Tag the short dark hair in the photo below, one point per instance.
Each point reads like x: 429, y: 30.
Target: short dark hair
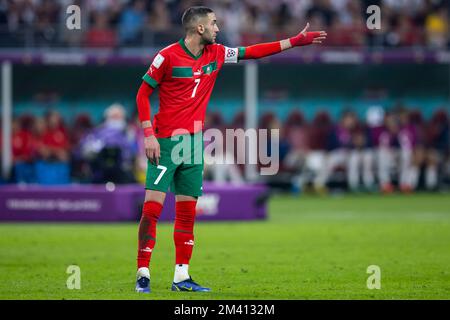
x: 192, y: 13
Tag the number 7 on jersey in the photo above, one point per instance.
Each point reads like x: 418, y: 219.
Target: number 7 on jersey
x: 197, y: 81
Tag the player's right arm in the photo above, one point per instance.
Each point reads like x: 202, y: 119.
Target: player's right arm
x: 151, y: 80
x: 151, y: 144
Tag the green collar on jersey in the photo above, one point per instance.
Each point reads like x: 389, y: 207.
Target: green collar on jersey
x: 181, y: 42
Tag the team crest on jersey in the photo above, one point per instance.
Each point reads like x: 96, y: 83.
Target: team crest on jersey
x: 159, y: 59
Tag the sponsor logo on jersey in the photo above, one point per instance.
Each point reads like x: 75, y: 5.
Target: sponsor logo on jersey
x: 159, y: 59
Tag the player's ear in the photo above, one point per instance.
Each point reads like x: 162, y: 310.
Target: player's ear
x: 201, y: 28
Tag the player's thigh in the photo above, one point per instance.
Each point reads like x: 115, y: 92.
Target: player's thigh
x: 155, y: 196
x: 188, y: 180
x: 160, y: 176
x: 180, y: 198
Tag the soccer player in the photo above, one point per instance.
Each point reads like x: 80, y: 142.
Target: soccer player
x: 185, y: 73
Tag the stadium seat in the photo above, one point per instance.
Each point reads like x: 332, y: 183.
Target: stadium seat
x: 24, y: 172
x: 51, y: 173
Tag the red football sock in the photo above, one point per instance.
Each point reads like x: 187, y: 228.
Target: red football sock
x: 183, y: 235
x: 147, y: 232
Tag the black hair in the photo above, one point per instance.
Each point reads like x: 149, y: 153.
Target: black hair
x: 192, y: 13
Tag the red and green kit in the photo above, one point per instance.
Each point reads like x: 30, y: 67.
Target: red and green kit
x: 185, y: 84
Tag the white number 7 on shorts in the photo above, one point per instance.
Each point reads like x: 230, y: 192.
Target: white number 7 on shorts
x: 163, y: 170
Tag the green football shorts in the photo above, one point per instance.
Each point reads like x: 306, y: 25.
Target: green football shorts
x: 180, y: 166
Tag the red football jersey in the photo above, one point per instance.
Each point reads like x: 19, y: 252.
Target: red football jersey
x: 185, y: 85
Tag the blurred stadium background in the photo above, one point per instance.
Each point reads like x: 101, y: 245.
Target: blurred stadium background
x: 364, y: 115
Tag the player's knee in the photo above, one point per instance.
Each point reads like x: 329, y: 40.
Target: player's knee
x: 155, y: 196
x: 185, y: 215
x: 152, y: 210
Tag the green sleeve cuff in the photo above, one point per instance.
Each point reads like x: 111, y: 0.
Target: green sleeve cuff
x: 152, y: 82
x: 241, y: 53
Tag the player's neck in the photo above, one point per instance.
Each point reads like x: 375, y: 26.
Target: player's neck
x: 194, y: 45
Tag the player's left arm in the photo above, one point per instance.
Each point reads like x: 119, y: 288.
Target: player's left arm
x: 261, y: 50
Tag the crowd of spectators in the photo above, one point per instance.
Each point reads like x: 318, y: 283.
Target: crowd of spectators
x: 386, y: 150
x: 112, y: 23
x: 93, y: 154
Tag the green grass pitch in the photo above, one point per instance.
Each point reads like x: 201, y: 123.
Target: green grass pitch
x: 309, y: 248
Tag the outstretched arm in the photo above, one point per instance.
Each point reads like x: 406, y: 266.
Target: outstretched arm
x: 267, y: 49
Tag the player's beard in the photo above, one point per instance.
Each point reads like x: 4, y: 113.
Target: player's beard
x: 208, y: 39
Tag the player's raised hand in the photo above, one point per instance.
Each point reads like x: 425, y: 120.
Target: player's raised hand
x: 152, y: 149
x: 306, y: 37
